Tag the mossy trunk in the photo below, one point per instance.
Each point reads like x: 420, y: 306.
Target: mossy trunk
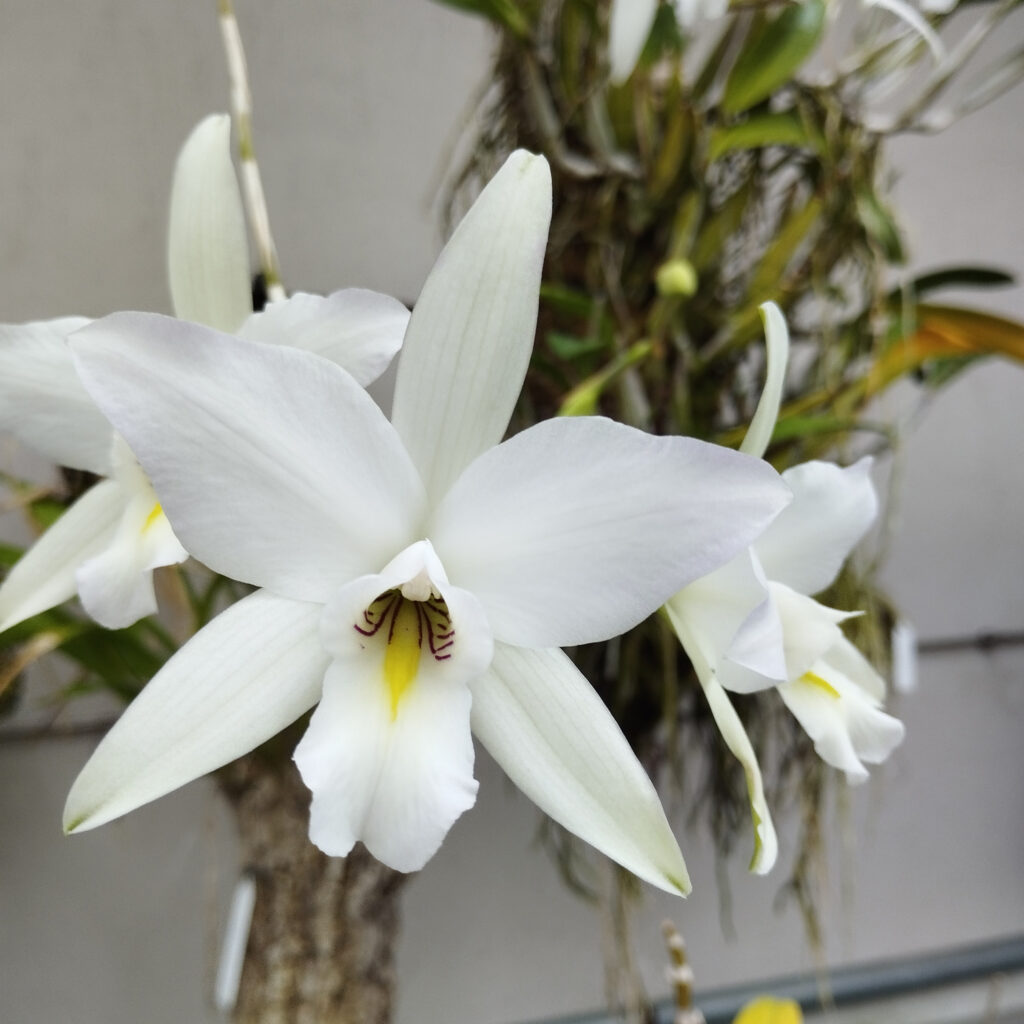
x: 321, y: 946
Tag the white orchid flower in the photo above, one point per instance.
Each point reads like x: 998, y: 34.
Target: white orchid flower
x: 631, y: 22
x: 419, y: 576
x: 751, y: 624
x: 107, y: 544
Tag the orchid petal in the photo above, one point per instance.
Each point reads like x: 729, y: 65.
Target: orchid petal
x: 810, y: 628
x: 320, y: 465
x: 358, y: 329
x: 578, y: 528
x: 730, y: 610
x: 45, y: 575
x: 116, y: 585
x: 845, y: 721
x: 207, y: 251
x: 390, y: 760
x: 471, y: 334
x: 776, y: 335
x: 694, y: 639
x: 629, y: 27
x: 397, y: 783
x: 42, y: 401
x: 547, y: 728
x: 832, y: 509
x: 845, y: 659
x: 252, y: 671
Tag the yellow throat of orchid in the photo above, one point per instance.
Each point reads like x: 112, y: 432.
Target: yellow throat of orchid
x: 821, y: 684
x: 402, y: 657
x: 408, y: 624
x: 154, y: 514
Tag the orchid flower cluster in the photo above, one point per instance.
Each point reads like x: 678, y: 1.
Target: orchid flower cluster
x: 416, y: 575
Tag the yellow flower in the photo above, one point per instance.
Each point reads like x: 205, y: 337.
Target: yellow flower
x: 766, y: 1010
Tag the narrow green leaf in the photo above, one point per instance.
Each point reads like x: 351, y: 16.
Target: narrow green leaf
x: 9, y: 554
x: 584, y: 398
x: 502, y: 12
x: 715, y: 62
x: 675, y: 145
x: 793, y: 428
x: 772, y: 56
x: 565, y: 299
x: 724, y: 222
x: 759, y: 130
x: 45, y: 512
x: 568, y: 346
x: 954, y: 277
x: 798, y: 229
x: 880, y: 225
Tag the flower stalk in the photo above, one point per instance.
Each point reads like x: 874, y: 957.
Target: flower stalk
x: 252, y: 181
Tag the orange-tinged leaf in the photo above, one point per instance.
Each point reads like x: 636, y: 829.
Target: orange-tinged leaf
x: 946, y: 332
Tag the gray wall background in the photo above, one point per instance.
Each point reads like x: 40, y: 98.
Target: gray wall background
x: 356, y: 104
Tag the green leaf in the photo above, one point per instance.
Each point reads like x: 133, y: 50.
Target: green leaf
x: 953, y: 277
x: 45, y: 512
x: 799, y: 226
x: 9, y: 554
x: 583, y: 399
x: 502, y: 12
x: 880, y: 225
x: 664, y: 39
x: 723, y: 223
x: 792, y: 428
x: 772, y: 55
x: 715, y: 62
x: 759, y: 130
x: 673, y: 151
x: 568, y: 346
x: 566, y: 300
x: 118, y: 657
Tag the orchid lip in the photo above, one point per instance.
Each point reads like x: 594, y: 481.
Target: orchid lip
x: 408, y: 626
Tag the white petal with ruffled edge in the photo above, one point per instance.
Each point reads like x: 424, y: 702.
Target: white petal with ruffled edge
x: 839, y: 713
x: 576, y: 529
x: 358, y: 329
x: 43, y: 403
x: 394, y: 769
x: 318, y: 476
x: 550, y: 732
x: 45, y: 575
x: 252, y: 671
x: 207, y: 249
x: 471, y: 334
x: 832, y: 508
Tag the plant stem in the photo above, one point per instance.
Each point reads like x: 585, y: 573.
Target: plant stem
x: 252, y: 183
